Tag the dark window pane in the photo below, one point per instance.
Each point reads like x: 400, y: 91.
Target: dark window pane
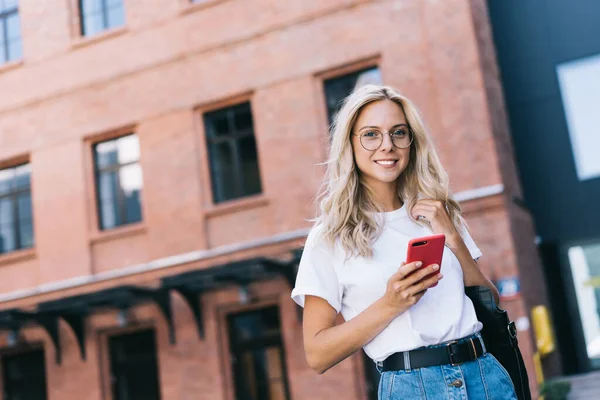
x: 337, y: 89
x: 134, y: 370
x: 243, y: 118
x: 250, y: 173
x: 258, y: 358
x: 232, y: 152
x: 222, y: 171
x: 116, y: 16
x: 24, y: 376
x: 219, y: 124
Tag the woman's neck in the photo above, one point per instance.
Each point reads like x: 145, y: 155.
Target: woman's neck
x: 386, y: 195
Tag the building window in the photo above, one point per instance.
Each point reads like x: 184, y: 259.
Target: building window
x: 580, y: 90
x: 133, y: 366
x: 232, y: 153
x: 584, y: 260
x: 10, y: 31
x: 99, y: 15
x: 16, y: 221
x: 24, y: 376
x: 118, y: 181
x: 258, y: 360
x: 338, y: 88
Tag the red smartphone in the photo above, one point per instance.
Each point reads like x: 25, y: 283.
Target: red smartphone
x: 429, y: 250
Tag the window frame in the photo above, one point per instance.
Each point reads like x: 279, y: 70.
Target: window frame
x: 319, y: 79
x: 120, y: 199
x: 575, y: 314
x: 104, y: 12
x: 357, y: 69
x: 96, y: 233
x: 265, y: 300
x: 4, y: 15
x: 232, y: 137
x: 13, y: 195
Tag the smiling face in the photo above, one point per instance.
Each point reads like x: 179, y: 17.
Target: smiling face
x: 383, y: 166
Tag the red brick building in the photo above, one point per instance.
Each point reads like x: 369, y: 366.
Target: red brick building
x: 158, y: 164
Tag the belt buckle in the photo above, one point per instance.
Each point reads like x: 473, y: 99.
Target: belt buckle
x: 448, y: 348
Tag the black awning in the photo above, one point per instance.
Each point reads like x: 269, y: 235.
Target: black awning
x: 192, y: 284
x: 73, y: 310
x: 13, y: 320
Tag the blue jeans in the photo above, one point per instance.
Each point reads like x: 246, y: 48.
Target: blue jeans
x: 484, y: 378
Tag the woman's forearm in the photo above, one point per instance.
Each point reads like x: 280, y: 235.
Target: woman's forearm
x: 332, y: 345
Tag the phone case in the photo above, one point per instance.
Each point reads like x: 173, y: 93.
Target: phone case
x: 429, y: 250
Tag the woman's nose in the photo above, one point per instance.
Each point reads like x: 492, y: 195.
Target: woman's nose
x: 386, y: 143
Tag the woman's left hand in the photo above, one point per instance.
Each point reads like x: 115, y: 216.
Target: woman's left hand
x: 434, y: 212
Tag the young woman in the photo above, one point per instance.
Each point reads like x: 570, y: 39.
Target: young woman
x: 385, y: 186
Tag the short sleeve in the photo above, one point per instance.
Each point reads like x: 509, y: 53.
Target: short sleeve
x: 316, y: 273
x: 470, y: 243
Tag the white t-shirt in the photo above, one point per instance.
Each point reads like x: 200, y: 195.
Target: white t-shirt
x: 443, y: 313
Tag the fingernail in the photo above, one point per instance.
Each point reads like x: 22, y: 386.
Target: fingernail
x: 419, y: 263
x: 440, y: 276
x: 435, y: 267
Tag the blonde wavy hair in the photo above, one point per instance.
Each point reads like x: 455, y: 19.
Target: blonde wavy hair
x: 346, y: 206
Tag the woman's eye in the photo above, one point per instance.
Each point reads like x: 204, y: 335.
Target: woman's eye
x: 371, y: 134
x: 400, y: 132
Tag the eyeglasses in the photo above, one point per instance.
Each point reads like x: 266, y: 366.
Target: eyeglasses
x: 372, y: 139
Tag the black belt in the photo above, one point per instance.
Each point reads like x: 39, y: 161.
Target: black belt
x: 453, y: 353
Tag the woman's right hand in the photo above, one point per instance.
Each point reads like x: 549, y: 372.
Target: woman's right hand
x: 406, y: 287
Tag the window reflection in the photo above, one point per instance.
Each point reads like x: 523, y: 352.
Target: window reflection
x: 99, y: 15
x: 585, y: 268
x: 336, y: 89
x: 118, y: 181
x: 16, y: 220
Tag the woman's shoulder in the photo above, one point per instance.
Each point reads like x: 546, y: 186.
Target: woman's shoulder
x: 317, y: 241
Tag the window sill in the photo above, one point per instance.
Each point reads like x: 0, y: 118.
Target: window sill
x: 118, y: 233
x: 189, y: 7
x: 17, y: 256
x: 9, y: 65
x: 236, y: 205
x: 83, y: 41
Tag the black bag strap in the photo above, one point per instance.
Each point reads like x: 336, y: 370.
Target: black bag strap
x: 500, y: 337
